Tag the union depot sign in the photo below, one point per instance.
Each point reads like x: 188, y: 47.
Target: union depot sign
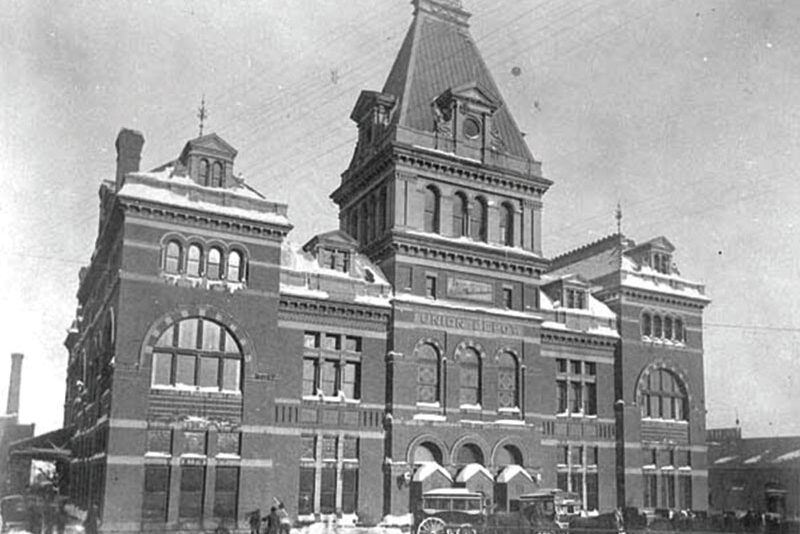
x: 474, y: 324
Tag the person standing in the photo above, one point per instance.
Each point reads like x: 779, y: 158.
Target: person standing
x: 285, y: 526
x: 273, y: 521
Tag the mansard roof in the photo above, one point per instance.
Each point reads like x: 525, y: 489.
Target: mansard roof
x: 439, y: 54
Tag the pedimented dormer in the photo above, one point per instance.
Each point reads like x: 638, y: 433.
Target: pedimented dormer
x: 208, y: 161
x: 333, y: 250
x: 655, y: 253
x: 463, y: 120
x: 373, y: 114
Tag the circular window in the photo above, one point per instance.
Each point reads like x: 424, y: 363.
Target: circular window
x: 472, y: 128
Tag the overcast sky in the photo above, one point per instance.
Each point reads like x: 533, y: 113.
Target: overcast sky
x: 686, y: 111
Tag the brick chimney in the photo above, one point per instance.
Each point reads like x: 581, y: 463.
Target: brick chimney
x: 14, y: 381
x: 129, y: 153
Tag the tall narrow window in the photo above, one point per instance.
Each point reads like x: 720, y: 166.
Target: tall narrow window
x: 427, y: 373
x: 172, y: 257
x: 193, y: 259
x: 647, y: 325
x: 191, y: 497
x: 381, y: 210
x: 679, y: 329
x: 658, y: 331
x: 305, y: 504
x: 156, y: 493
x: 460, y: 214
x: 668, y: 327
x: 373, y: 226
x: 214, y: 268
x: 507, y: 380
x: 431, y: 215
x: 216, y: 175
x: 203, y: 172
x: 470, y: 370
x: 478, y: 219
x: 507, y: 224
x: 561, y: 395
x: 577, y: 398
x: 226, y: 492
x: 591, y: 399
x: 430, y: 286
x: 235, y: 270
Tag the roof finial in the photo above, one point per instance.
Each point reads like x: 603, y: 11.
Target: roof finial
x: 202, y: 114
x: 618, y: 216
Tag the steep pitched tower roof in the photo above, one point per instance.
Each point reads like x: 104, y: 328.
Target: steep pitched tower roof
x: 438, y: 54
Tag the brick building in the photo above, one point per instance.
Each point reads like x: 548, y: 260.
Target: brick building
x: 427, y: 342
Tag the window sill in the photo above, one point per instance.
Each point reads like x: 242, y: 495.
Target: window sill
x: 185, y: 280
x: 666, y: 421
x: 429, y: 405
x: 514, y: 410
x: 338, y: 399
x: 470, y: 408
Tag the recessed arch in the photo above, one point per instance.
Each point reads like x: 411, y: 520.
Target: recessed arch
x: 430, y: 442
x: 511, y: 445
x: 476, y: 443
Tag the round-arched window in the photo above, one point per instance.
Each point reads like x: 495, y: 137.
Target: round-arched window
x: 172, y: 257
x: 214, y: 269
x: 193, y: 259
x: 507, y: 380
x: 508, y: 455
x: 235, y: 271
x: 663, y: 396
x: 470, y: 369
x: 197, y: 353
x: 427, y: 373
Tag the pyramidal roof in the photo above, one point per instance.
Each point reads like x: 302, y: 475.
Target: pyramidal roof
x: 438, y: 54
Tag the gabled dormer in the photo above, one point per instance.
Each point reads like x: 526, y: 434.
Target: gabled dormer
x: 570, y: 291
x: 655, y: 253
x: 208, y: 161
x: 463, y: 120
x: 333, y: 250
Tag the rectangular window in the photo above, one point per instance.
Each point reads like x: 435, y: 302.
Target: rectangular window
x: 591, y: 399
x: 327, y: 377
x: 194, y: 443
x: 470, y: 385
x: 563, y: 456
x: 562, y: 481
x: 185, y: 370
x: 308, y: 449
x: 575, y: 366
x: 650, y: 490
x: 329, y: 448
x: 305, y: 503
x: 670, y: 484
x: 327, y: 493
x: 590, y: 368
x: 576, y: 480
x: 231, y: 372
x: 191, y: 497
x: 350, y: 448
x: 332, y: 342
x: 352, y: 344
x: 430, y: 286
x: 159, y: 440
x: 561, y: 394
x: 508, y: 298
x: 162, y: 369
x: 592, y: 501
x: 226, y: 492
x: 156, y: 493
x: 561, y: 364
x: 228, y: 443
x: 209, y: 372
x: 350, y: 380
x: 349, y: 489
x: 577, y: 397
x: 309, y: 376
x: 592, y: 455
x: 311, y: 340
x: 686, y: 492
x: 577, y: 455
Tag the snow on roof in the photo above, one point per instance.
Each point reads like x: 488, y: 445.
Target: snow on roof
x: 304, y: 291
x: 294, y: 258
x: 510, y: 471
x: 724, y: 460
x: 452, y: 491
x: 791, y: 455
x: 182, y: 192
x: 426, y: 469
x: 597, y: 330
x: 470, y: 470
x: 463, y: 240
x: 645, y: 277
x: 756, y: 458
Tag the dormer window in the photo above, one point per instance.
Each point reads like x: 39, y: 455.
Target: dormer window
x: 216, y: 175
x: 575, y: 298
x: 472, y: 128
x: 338, y: 260
x: 661, y: 262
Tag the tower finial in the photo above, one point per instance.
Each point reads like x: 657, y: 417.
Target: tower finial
x: 202, y: 113
x: 618, y: 216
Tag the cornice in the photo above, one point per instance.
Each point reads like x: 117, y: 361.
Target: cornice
x: 650, y: 296
x: 397, y: 242
x: 320, y: 310
x: 204, y: 219
x: 557, y: 337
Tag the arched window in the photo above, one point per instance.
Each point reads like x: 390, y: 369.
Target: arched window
x: 469, y: 453
x: 647, y: 324
x: 460, y: 214
x: 679, y: 332
x: 431, y: 215
x: 508, y: 455
x: 193, y: 259
x: 427, y: 452
x: 172, y: 257
x: 507, y: 224
x: 667, y: 327
x: 427, y: 373
x: 507, y: 381
x: 214, y: 267
x: 469, y: 363
x: 202, y: 173
x: 216, y: 174
x: 477, y: 220
x: 658, y: 331
x: 235, y: 270
x: 198, y: 353
x: 663, y: 396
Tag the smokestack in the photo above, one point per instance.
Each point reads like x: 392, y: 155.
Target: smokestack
x: 129, y: 153
x: 14, y: 381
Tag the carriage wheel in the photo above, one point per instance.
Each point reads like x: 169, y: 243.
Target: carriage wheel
x: 430, y: 525
x: 466, y: 528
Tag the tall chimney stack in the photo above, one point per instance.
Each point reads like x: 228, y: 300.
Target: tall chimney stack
x: 14, y: 382
x: 129, y: 153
